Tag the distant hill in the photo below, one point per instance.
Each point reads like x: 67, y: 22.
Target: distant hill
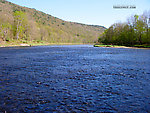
x: 26, y: 24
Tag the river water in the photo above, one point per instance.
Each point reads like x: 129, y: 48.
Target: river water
x: 74, y: 78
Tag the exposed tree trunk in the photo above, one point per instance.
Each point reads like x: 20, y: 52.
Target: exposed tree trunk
x: 18, y: 31
x: 5, y: 34
x: 17, y: 35
x: 140, y: 41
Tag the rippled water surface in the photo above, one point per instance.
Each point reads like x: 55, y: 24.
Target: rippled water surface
x: 77, y: 78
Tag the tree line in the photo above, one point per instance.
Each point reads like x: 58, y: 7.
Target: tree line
x: 135, y: 31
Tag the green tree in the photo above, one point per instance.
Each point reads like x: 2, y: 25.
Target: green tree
x: 20, y: 25
x: 4, y: 29
x: 134, y: 32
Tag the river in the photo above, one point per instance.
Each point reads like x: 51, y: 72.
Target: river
x: 74, y: 78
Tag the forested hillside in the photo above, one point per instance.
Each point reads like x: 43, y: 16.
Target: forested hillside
x: 23, y: 24
x: 136, y: 31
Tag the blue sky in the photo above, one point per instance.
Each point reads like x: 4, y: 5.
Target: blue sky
x: 96, y: 12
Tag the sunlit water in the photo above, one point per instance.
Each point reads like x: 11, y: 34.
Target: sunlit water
x: 76, y: 78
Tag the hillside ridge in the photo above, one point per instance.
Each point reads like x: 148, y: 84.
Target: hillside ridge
x: 28, y: 24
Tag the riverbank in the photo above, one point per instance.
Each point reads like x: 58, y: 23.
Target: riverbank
x: 118, y: 46
x: 29, y: 44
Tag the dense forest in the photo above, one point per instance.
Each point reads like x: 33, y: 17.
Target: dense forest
x: 23, y: 24
x: 136, y: 31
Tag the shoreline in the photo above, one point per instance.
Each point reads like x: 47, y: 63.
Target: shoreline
x: 116, y: 46
x: 40, y: 44
x: 49, y: 44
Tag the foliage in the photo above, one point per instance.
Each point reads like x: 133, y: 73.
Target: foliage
x: 20, y: 25
x: 134, y: 32
x: 4, y: 30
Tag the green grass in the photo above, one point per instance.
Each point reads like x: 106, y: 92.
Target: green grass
x: 33, y: 43
x: 138, y: 46
x: 142, y: 46
x: 101, y: 45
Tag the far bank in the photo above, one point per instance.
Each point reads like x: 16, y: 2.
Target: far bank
x: 120, y: 46
x: 30, y: 43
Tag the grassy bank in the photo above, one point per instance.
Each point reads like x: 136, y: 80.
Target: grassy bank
x: 101, y: 45
x: 118, y: 46
x: 31, y: 43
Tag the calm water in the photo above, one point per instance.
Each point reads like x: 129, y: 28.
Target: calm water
x: 77, y: 78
